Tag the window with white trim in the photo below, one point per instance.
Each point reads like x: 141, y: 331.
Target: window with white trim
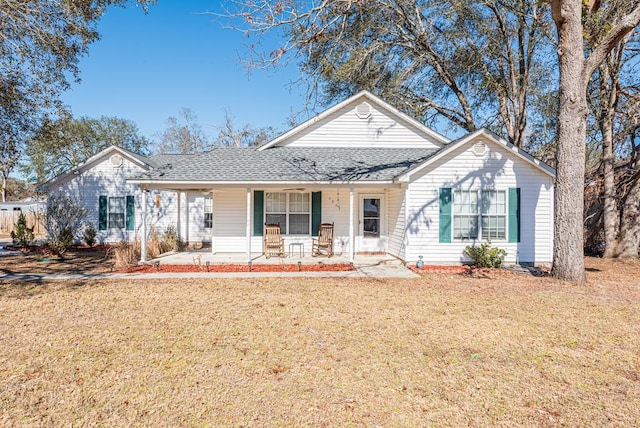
x: 208, y: 212
x: 465, y: 214
x: 485, y: 216
x: 494, y: 214
x: 292, y: 211
x: 117, y: 208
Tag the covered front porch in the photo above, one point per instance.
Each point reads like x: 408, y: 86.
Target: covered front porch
x: 229, y: 221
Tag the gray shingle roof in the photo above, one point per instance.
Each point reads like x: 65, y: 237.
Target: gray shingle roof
x: 286, y: 164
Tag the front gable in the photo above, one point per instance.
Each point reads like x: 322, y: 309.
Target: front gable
x: 112, y: 161
x: 361, y: 121
x: 479, y: 154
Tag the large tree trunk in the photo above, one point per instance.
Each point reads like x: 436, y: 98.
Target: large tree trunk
x: 629, y: 238
x: 610, y: 214
x: 4, y: 186
x: 568, y: 249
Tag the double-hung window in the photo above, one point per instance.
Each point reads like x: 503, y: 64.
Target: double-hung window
x: 208, y: 212
x: 465, y: 214
x: 494, y: 214
x: 116, y: 212
x: 292, y: 211
x: 479, y: 213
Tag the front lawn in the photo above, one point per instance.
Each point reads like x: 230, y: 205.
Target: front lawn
x: 442, y: 350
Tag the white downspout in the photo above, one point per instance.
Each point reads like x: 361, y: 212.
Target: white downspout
x: 213, y: 224
x: 143, y: 240
x: 248, y: 224
x: 352, y: 242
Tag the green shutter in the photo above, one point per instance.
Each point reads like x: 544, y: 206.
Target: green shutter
x: 102, y: 212
x: 445, y: 214
x: 130, y: 214
x: 258, y: 212
x: 316, y: 212
x: 514, y: 214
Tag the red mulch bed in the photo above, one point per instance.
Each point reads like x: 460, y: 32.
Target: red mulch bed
x: 460, y: 270
x: 319, y: 267
x: 440, y: 269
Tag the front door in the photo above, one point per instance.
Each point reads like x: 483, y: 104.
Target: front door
x: 371, y: 224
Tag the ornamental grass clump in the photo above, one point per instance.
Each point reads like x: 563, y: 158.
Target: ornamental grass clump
x: 485, y: 256
x: 126, y: 254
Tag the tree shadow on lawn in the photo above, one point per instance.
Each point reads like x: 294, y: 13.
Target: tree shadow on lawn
x: 35, y: 285
x: 78, y: 260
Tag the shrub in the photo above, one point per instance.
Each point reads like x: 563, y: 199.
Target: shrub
x: 62, y: 242
x: 22, y: 235
x: 484, y: 256
x: 63, y: 221
x: 171, y: 239
x: 89, y: 236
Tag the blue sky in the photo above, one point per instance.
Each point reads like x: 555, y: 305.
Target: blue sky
x: 147, y: 67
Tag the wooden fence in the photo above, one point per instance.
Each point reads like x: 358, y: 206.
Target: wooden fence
x: 8, y: 220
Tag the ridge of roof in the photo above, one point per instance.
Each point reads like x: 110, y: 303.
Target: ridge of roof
x: 288, y: 163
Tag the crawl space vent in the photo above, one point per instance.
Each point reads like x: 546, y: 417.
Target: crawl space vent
x: 479, y: 149
x: 363, y: 110
x: 116, y: 161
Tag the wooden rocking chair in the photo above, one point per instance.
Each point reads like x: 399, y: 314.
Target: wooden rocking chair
x: 324, y: 241
x: 273, y: 243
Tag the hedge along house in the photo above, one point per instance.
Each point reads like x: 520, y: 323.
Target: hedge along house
x: 387, y: 183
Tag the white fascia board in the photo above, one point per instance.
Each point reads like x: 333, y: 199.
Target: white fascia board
x: 490, y: 136
x: 363, y: 94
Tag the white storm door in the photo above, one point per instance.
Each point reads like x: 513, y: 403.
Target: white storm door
x: 371, y: 237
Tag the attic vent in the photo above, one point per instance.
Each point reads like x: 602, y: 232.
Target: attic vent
x: 479, y: 149
x: 116, y: 161
x: 363, y: 110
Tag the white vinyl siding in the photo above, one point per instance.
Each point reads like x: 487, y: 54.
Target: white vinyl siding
x: 498, y: 169
x: 102, y: 178
x: 344, y: 128
x: 396, y: 222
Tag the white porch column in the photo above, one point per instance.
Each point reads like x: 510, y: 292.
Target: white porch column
x: 143, y: 238
x: 248, y: 224
x: 405, y: 241
x: 352, y: 243
x: 183, y: 216
x: 213, y: 233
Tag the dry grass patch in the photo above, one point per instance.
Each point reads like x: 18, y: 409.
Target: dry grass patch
x: 443, y: 350
x: 77, y: 260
